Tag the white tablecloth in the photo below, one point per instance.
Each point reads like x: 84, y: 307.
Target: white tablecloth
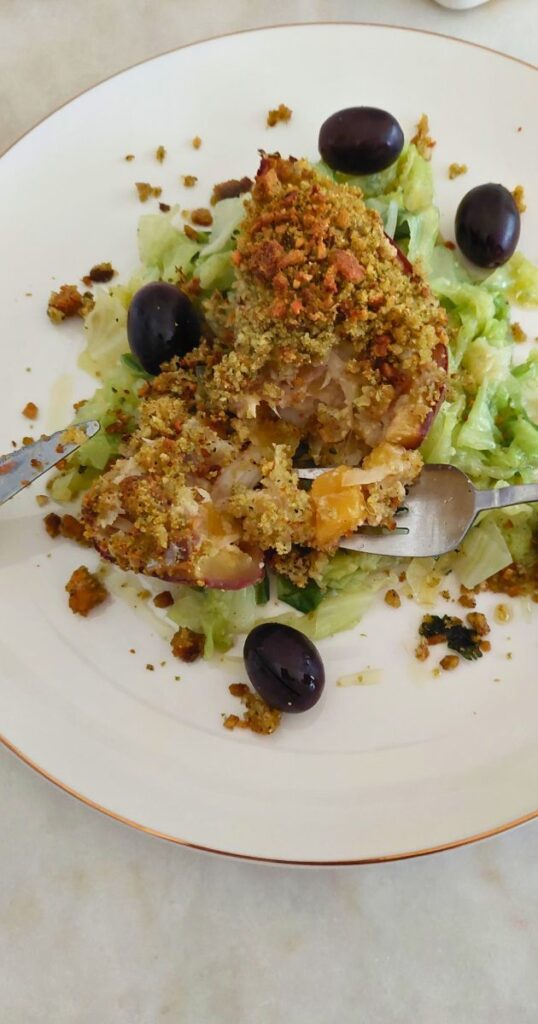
x: 99, y: 923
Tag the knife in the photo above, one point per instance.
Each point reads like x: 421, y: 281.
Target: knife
x: 20, y: 468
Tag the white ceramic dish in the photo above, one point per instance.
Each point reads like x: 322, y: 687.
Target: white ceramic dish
x: 410, y: 764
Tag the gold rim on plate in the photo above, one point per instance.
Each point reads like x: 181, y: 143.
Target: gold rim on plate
x: 406, y: 855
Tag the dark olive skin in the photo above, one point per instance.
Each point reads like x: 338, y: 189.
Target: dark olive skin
x: 360, y: 140
x: 488, y: 225
x: 161, y: 323
x: 284, y: 667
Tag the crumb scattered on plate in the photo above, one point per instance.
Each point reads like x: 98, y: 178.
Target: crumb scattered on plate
x: 146, y: 191
x: 282, y: 113
x: 454, y: 170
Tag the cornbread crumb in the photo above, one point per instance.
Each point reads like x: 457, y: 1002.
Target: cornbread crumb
x: 164, y: 207
x: 196, y: 142
x: 466, y: 599
x: 202, y: 216
x: 160, y: 154
x: 519, y: 198
x: 189, y: 180
x: 67, y: 526
x: 190, y: 233
x: 31, y: 411
x: 518, y: 333
x: 129, y: 157
x: 422, y: 651
x: 502, y: 613
x: 422, y: 138
x: 52, y: 523
x: 479, y: 623
x: 449, y: 662
x: 68, y: 301
x: 446, y: 595
x: 150, y: 667
x: 258, y: 717
x: 42, y: 500
x: 145, y: 191
x: 85, y: 591
x: 392, y: 598
x: 101, y: 273
x: 187, y: 645
x: 282, y: 113
x: 454, y: 170
x: 163, y: 600
x: 230, y: 189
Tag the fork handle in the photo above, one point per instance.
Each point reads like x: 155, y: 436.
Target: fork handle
x: 504, y: 496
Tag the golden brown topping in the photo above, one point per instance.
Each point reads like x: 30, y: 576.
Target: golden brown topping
x: 392, y: 598
x: 518, y: 333
x: 52, y: 523
x: 65, y: 526
x: 422, y: 138
x: 85, y: 591
x: 258, y: 717
x: 129, y: 157
x: 189, y: 180
x: 160, y: 154
x: 281, y: 113
x: 422, y: 651
x: 230, y: 189
x: 454, y: 170
x: 449, y: 662
x: 466, y: 598
x: 31, y: 411
x: 196, y: 142
x: 68, y: 301
x: 101, y: 273
x: 73, y: 529
x: 326, y: 340
x: 519, y: 198
x: 163, y: 600
x: 478, y: 622
x: 146, y: 191
x: 187, y: 645
x: 502, y: 613
x: 516, y: 580
x: 202, y: 216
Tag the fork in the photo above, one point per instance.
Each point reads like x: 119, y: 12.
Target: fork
x: 440, y: 509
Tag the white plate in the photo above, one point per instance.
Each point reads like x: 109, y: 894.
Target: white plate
x: 407, y: 765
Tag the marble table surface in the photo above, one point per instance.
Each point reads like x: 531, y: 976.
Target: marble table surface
x: 101, y: 923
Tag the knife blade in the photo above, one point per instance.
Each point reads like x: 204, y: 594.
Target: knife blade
x: 20, y: 468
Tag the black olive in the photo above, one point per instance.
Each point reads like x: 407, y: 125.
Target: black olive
x: 284, y: 667
x: 161, y: 323
x: 360, y: 140
x: 488, y: 225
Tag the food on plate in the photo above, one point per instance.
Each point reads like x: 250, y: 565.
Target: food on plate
x: 488, y: 225
x: 85, y: 591
x: 258, y: 716
x: 320, y: 319
x: 325, y: 345
x: 282, y: 113
x: 284, y: 667
x: 360, y: 140
x: 161, y: 323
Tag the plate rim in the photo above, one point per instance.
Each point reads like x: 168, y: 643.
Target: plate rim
x: 87, y: 801
x: 253, y: 31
